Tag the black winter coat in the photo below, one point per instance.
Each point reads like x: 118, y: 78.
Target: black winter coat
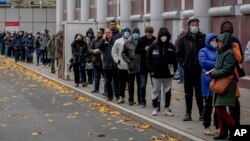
x: 96, y: 58
x: 140, y: 49
x: 188, y: 49
x: 106, y: 48
x: 79, y: 52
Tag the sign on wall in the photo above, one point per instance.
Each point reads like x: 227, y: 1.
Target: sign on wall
x: 12, y: 26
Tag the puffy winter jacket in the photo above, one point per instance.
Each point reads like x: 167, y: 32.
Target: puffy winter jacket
x: 207, y: 59
x: 106, y: 47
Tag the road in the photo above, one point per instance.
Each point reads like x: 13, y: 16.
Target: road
x: 35, y: 109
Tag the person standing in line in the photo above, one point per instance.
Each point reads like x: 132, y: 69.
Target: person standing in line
x: 43, y: 41
x: 159, y: 57
x: 37, y: 48
x: 79, y: 51
x: 122, y: 66
x: 180, y: 67
x: 187, y: 54
x: 29, y: 45
x: 207, y: 59
x: 227, y: 26
x: 141, y: 49
x: 51, y: 52
x: 133, y: 62
x: 18, y: 46
x: 105, y: 46
x: 90, y: 37
x: 59, y: 42
x: 96, y: 60
x: 225, y: 65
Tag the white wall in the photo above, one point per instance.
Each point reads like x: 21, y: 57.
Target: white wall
x: 30, y: 19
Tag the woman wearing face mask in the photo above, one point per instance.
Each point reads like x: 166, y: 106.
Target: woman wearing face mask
x: 79, y: 52
x: 29, y: 44
x: 224, y: 67
x: 160, y: 56
x: 207, y: 59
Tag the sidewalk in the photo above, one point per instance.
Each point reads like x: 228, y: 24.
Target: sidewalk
x: 191, y: 130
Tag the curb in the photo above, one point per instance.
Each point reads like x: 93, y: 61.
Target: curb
x: 157, y: 125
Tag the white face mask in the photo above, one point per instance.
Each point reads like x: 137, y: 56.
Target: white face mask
x: 164, y: 38
x: 194, y: 29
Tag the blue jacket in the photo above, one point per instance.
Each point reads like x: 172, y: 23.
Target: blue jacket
x: 29, y: 43
x: 207, y: 59
x: 18, y: 42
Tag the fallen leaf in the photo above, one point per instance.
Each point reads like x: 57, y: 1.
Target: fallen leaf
x: 114, y: 128
x: 81, y: 99
x: 130, y: 139
x: 24, y: 117
x: 142, y: 126
x: 50, y: 120
x: 3, y: 125
x: 114, y: 113
x: 33, y: 86
x: 109, y: 119
x: 101, y: 135
x: 155, y: 138
x: 67, y: 104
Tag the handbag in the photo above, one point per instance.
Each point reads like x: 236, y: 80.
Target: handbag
x: 221, y: 86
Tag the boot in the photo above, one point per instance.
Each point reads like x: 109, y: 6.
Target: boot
x: 187, y: 117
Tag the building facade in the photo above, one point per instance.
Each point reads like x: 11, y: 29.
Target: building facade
x: 169, y: 13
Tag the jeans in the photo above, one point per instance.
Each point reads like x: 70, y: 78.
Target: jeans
x: 97, y: 76
x: 144, y: 78
x: 29, y: 55
x: 131, y: 80
x: 38, y: 56
x: 180, y: 72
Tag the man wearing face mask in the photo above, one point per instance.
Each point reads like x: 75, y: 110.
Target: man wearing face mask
x: 187, y: 54
x: 159, y: 57
x: 133, y: 62
x: 122, y: 66
x: 29, y: 44
x: 18, y: 46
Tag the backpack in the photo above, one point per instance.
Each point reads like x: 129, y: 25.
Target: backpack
x: 238, y: 58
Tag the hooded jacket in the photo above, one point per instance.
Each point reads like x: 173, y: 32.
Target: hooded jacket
x: 224, y: 66
x: 161, y: 55
x: 188, y: 49
x: 117, y: 53
x: 44, y: 40
x: 207, y: 59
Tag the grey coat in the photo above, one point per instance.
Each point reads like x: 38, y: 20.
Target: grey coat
x: 129, y: 56
x: 44, y: 40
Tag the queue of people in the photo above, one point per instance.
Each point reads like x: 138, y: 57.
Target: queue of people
x: 122, y: 57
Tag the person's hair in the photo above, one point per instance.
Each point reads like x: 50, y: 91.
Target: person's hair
x: 113, y: 21
x: 149, y: 29
x: 60, y: 32
x: 78, y: 34
x: 102, y: 30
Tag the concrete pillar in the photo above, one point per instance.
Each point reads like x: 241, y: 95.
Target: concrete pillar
x: 156, y: 10
x: 59, y: 15
x: 201, y: 8
x: 71, y: 10
x: 85, y: 10
x: 102, y: 13
x: 126, y: 11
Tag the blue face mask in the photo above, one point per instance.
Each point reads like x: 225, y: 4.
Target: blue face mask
x: 135, y: 36
x: 126, y: 35
x: 194, y: 29
x: 213, y: 45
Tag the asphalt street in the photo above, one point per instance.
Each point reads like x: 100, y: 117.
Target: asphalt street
x: 31, y: 110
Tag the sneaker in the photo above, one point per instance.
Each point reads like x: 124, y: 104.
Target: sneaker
x: 121, y: 100
x: 187, y: 117
x: 155, y: 112
x: 131, y: 103
x: 143, y: 105
x: 208, y: 131
x: 180, y: 82
x: 95, y: 91
x: 167, y: 112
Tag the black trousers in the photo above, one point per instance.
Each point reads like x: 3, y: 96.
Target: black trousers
x: 235, y: 111
x: 131, y: 82
x: 123, y: 79
x: 207, y: 112
x: 111, y: 74
x: 90, y: 75
x: 78, y: 69
x: 192, y: 81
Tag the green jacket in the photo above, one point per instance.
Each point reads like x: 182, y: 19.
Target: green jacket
x: 51, y: 49
x: 225, y: 65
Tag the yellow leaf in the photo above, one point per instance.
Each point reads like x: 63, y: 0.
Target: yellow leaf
x: 37, y: 133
